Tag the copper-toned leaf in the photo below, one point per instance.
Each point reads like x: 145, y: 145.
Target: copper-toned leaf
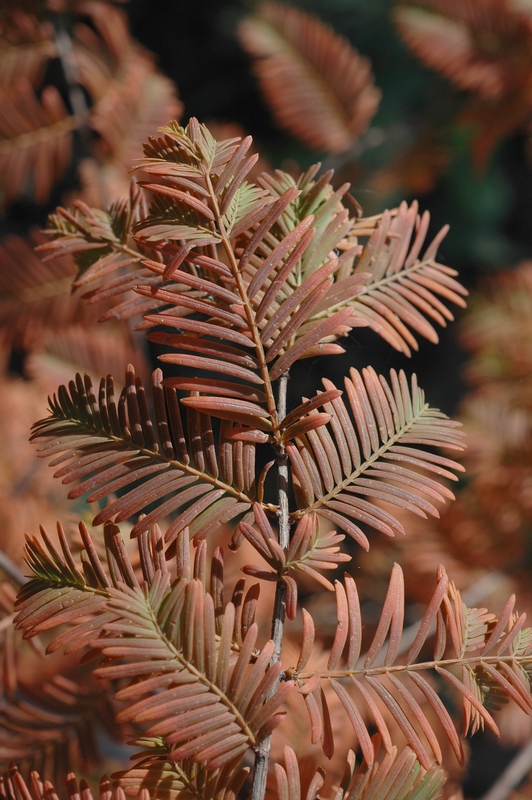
x: 317, y: 85
x: 404, y: 288
x: 344, y: 465
x: 119, y: 445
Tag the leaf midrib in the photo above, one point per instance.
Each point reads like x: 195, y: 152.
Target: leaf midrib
x: 424, y: 665
x: 364, y: 466
x: 156, y: 456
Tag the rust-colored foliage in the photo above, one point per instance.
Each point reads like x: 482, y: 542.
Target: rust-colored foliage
x: 13, y: 786
x: 318, y: 87
x: 496, y: 503
x: 236, y: 276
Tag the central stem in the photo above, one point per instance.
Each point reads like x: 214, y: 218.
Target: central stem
x: 262, y: 756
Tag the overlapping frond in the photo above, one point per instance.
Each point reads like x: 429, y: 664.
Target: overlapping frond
x: 318, y: 87
x: 116, y: 445
x: 310, y: 550
x: 298, y: 294
x: 365, y: 453
x: 387, y: 283
x: 396, y: 776
x: 484, y: 658
x: 399, y: 776
x: 200, y: 202
x: 275, y: 271
x: 173, y: 640
x: 101, y: 244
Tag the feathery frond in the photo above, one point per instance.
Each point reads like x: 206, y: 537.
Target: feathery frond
x: 405, y: 290
x: 491, y: 656
x: 388, y: 285
x: 162, y: 636
x: 240, y: 280
x: 115, y: 445
x: 316, y: 84
x: 366, y: 452
x: 292, y: 278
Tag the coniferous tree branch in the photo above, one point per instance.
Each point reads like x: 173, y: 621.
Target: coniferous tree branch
x: 164, y: 636
x: 121, y: 444
x: 493, y: 655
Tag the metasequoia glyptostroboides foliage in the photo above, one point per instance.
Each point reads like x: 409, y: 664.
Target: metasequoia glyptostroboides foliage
x: 238, y: 281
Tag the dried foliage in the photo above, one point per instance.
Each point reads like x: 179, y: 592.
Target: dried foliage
x: 54, y: 722
x: 35, y: 140
x: 35, y: 296
x: 184, y: 681
x: 282, y: 298
x: 483, y: 46
x: 13, y: 786
x: 28, y: 44
x: 316, y: 84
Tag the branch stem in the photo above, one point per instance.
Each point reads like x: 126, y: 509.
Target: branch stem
x: 262, y: 756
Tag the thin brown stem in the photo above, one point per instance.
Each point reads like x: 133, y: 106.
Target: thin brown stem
x: 262, y: 756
